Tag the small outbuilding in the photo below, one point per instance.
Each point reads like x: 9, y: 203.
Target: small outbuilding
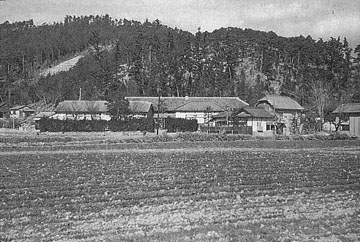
x: 21, y: 111
x: 349, y: 116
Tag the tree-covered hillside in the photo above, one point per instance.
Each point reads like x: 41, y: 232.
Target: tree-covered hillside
x: 125, y: 57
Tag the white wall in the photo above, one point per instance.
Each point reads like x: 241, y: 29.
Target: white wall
x: 62, y: 116
x: 201, y: 117
x: 259, y: 127
x: 354, y: 126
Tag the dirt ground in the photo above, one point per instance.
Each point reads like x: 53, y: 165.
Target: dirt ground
x: 195, y: 191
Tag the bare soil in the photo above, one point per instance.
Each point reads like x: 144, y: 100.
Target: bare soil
x: 193, y: 191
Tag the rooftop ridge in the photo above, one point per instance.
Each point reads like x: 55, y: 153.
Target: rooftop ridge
x: 188, y: 97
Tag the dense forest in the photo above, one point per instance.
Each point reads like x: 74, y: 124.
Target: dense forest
x: 123, y: 57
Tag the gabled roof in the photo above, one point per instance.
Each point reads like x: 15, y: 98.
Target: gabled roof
x: 199, y: 106
x: 74, y: 106
x: 194, y: 104
x: 140, y: 106
x: 280, y: 102
x: 348, y: 108
x: 256, y: 112
x: 24, y: 107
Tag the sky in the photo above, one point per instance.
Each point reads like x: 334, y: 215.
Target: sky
x: 317, y: 18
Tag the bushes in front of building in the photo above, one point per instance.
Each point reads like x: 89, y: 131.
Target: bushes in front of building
x: 55, y: 125
x: 180, y: 125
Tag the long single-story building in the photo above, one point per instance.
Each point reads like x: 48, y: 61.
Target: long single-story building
x: 98, y: 110
x: 199, y: 108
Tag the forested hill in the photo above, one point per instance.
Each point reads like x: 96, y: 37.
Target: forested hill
x: 126, y: 57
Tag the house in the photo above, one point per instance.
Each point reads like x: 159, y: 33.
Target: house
x: 199, y: 108
x: 4, y: 110
x: 21, y: 111
x: 261, y: 121
x: 285, y: 109
x: 98, y: 110
x: 349, y: 114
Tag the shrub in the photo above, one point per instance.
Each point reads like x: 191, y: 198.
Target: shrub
x: 10, y: 123
x: 55, y: 125
x: 339, y: 136
x: 181, y: 125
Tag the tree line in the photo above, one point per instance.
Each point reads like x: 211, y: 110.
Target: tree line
x: 129, y: 58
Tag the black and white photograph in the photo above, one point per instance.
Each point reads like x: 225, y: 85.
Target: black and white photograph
x: 180, y: 121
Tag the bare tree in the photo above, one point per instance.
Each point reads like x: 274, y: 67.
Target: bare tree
x: 75, y: 109
x: 92, y: 107
x: 320, y: 93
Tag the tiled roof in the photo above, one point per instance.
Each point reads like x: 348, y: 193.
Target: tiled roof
x: 199, y: 106
x: 348, y: 108
x: 244, y: 112
x: 194, y: 104
x: 140, y: 106
x: 257, y: 112
x: 281, y: 102
x: 24, y: 107
x: 74, y: 106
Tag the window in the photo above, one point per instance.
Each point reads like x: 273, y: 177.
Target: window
x: 345, y: 127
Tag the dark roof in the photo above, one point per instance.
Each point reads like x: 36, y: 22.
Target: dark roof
x: 245, y: 112
x: 199, y: 106
x: 256, y: 112
x: 281, y: 102
x: 83, y: 106
x: 348, y: 108
x: 74, y: 106
x: 140, y: 106
x: 194, y: 104
x: 24, y: 107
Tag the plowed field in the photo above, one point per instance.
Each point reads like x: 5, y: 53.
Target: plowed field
x: 212, y: 191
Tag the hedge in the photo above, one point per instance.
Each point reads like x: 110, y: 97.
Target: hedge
x: 181, y: 125
x: 55, y: 125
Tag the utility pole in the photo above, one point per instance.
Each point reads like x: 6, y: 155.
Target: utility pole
x: 158, y: 112
x: 275, y: 120
x: 158, y: 117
